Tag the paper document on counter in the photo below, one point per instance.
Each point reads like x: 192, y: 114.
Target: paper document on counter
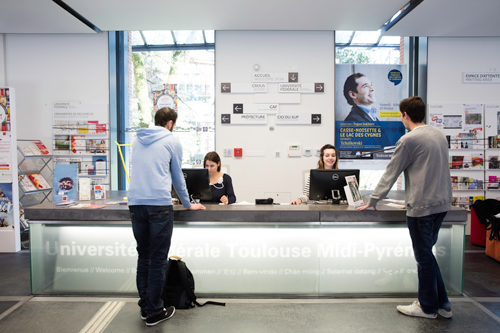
x: 243, y: 203
x: 400, y: 202
x: 395, y: 205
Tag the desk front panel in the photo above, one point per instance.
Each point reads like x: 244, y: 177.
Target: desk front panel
x: 244, y: 259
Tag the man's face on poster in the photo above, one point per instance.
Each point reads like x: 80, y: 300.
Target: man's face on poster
x: 366, y: 94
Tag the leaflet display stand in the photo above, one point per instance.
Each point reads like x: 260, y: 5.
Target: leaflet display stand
x: 81, y: 137
x: 492, y: 151
x: 10, y: 240
x: 34, y: 178
x: 464, y: 128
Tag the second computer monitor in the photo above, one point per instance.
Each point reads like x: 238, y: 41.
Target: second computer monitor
x: 323, y: 181
x: 198, y: 183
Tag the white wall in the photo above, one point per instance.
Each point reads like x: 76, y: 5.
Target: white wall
x: 44, y: 68
x: 236, y: 53
x: 448, y: 58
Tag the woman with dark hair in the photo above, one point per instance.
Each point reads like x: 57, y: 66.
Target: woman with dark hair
x: 220, y: 183
x: 327, y: 160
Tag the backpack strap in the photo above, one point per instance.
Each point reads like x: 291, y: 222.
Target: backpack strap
x: 183, y: 271
x: 210, y: 302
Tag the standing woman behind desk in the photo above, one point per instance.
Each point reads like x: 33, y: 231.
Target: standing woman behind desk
x: 327, y: 160
x: 221, y: 184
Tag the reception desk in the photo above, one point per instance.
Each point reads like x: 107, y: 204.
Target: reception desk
x: 243, y: 250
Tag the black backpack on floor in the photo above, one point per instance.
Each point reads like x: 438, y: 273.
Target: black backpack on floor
x: 178, y: 290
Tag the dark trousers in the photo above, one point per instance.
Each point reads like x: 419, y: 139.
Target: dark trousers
x: 424, y: 234
x: 152, y: 226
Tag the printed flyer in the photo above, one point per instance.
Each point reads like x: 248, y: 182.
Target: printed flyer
x: 65, y: 183
x: 367, y: 116
x: 6, y: 205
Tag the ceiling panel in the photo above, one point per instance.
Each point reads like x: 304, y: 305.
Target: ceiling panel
x: 452, y: 18
x: 40, y: 16
x: 430, y: 18
x: 237, y: 14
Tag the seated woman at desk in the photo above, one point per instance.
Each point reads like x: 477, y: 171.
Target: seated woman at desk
x: 327, y: 160
x: 220, y: 183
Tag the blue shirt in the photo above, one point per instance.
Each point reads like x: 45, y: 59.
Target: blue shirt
x: 372, y: 113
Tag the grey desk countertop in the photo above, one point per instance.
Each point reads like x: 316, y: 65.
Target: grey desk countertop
x: 48, y: 213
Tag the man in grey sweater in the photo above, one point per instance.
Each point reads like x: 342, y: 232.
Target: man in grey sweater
x: 422, y: 154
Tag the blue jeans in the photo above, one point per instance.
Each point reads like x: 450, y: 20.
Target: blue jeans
x: 152, y: 226
x: 424, y: 234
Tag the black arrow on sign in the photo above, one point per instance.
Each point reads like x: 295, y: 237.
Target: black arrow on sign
x: 237, y: 108
x: 293, y: 77
x: 315, y: 119
x: 225, y: 87
x: 319, y: 87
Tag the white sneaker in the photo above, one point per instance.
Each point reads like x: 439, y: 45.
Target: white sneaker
x: 415, y: 310
x: 445, y: 314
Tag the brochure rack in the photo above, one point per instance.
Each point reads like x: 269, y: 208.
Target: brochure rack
x: 473, y: 132
x: 10, y: 240
x: 33, y: 164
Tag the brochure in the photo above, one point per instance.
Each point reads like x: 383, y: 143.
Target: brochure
x: 65, y: 181
x: 352, y: 193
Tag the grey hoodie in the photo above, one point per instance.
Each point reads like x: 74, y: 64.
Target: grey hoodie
x: 156, y: 165
x: 422, y: 155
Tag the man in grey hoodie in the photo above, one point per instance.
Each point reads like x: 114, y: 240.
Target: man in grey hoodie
x: 422, y: 154
x: 156, y: 160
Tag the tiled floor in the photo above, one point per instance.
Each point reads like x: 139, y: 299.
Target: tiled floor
x: 477, y: 311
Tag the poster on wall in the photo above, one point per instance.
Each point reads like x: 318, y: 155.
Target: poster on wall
x: 6, y: 205
x: 164, y: 96
x: 367, y: 116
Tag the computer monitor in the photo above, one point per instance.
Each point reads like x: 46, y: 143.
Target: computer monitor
x: 197, y: 183
x: 323, y: 181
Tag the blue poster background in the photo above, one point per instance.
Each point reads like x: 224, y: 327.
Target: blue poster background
x: 65, y: 183
x: 6, y: 207
x: 367, y: 135
x: 384, y: 87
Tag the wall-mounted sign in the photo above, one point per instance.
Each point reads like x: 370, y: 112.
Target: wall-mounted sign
x: 275, y: 77
x: 301, y: 87
x: 242, y: 88
x: 481, y: 77
x: 244, y: 119
x: 256, y: 108
x: 298, y: 119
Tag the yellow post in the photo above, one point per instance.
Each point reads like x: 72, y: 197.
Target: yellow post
x: 121, y: 155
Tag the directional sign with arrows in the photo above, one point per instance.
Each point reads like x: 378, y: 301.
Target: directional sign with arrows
x: 270, y: 77
x: 256, y: 108
x: 298, y: 119
x: 242, y: 88
x: 293, y: 77
x: 244, y: 119
x: 303, y: 88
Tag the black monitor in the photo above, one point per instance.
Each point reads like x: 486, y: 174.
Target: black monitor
x: 323, y: 181
x: 197, y: 184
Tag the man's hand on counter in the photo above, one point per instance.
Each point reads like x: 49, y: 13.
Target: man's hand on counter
x: 197, y: 207
x: 367, y: 206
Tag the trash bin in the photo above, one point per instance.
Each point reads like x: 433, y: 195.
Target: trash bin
x: 477, y: 230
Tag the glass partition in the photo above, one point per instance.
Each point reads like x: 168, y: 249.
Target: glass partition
x: 306, y: 259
